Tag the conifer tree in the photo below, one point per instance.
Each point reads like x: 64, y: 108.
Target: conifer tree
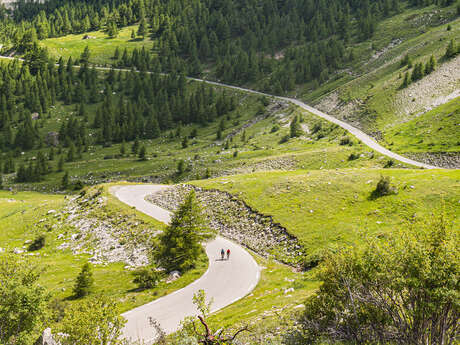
x: 65, y: 181
x: 180, y: 244
x: 295, y: 129
x: 84, y: 282
x: 143, y: 153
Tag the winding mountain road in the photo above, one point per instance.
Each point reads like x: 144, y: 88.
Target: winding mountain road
x: 225, y: 281
x: 366, y: 139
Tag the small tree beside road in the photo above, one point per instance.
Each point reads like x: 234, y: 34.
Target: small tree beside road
x: 180, y: 244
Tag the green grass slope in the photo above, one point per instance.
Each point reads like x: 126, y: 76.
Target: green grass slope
x: 25, y: 215
x: 101, y: 46
x: 436, y: 131
x: 328, y: 209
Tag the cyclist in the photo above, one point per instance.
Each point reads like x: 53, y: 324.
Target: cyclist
x: 228, y: 254
x: 222, y: 253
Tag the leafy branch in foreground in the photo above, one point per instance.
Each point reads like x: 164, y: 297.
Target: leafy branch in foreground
x: 189, y: 333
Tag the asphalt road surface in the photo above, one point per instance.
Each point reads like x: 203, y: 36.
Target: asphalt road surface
x: 225, y: 281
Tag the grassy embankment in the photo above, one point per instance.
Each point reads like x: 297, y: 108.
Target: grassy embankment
x: 329, y: 209
x: 20, y: 221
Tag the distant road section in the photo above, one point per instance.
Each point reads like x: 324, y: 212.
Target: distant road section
x: 224, y: 281
x: 366, y: 139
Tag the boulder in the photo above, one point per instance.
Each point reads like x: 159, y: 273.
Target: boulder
x: 46, y: 338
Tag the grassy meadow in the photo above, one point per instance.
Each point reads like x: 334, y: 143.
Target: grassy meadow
x: 25, y: 215
x: 329, y: 209
x: 101, y: 46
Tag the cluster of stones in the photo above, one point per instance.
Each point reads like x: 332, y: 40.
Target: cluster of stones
x: 107, y: 238
x: 234, y: 219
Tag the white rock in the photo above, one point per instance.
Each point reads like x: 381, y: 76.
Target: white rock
x: 286, y: 291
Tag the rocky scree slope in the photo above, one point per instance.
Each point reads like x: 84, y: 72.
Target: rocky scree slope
x: 87, y: 226
x: 235, y: 220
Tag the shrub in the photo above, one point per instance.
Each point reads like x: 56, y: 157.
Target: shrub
x: 389, y: 163
x: 146, y: 277
x: 346, y: 141
x: 78, y: 185
x: 38, y: 243
x: 384, y: 187
x: 353, y: 156
x: 275, y: 128
x: 285, y: 139
x: 316, y: 127
x: 235, y: 154
x: 366, y: 290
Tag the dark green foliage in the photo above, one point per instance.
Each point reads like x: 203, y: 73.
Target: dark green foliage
x: 38, y: 243
x: 146, y: 277
x: 275, y: 128
x: 143, y: 153
x: 451, y: 50
x: 389, y: 163
x: 135, y: 146
x: 84, y: 281
x: 384, y: 188
x: 365, y: 291
x: 65, y: 181
x: 285, y: 139
x: 84, y: 58
x: 295, y: 130
x: 180, y: 244
x: 22, y: 301
x: 353, y: 156
x: 180, y: 167
x: 185, y: 142
x: 346, y: 141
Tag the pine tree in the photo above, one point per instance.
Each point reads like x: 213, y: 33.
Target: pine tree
x: 143, y: 153
x: 185, y: 142
x: 71, y: 152
x: 65, y: 181
x: 295, y: 128
x: 84, y: 57
x: 451, y: 50
x: 180, y: 167
x: 84, y: 282
x: 135, y: 146
x: 142, y: 30
x: 123, y: 148
x: 60, y: 167
x: 180, y: 244
x: 406, y: 80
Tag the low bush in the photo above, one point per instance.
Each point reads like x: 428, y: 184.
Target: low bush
x: 275, y: 128
x: 384, y: 187
x: 146, y: 277
x: 285, y: 139
x: 346, y: 141
x: 389, y: 163
x: 38, y: 243
x: 353, y: 156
